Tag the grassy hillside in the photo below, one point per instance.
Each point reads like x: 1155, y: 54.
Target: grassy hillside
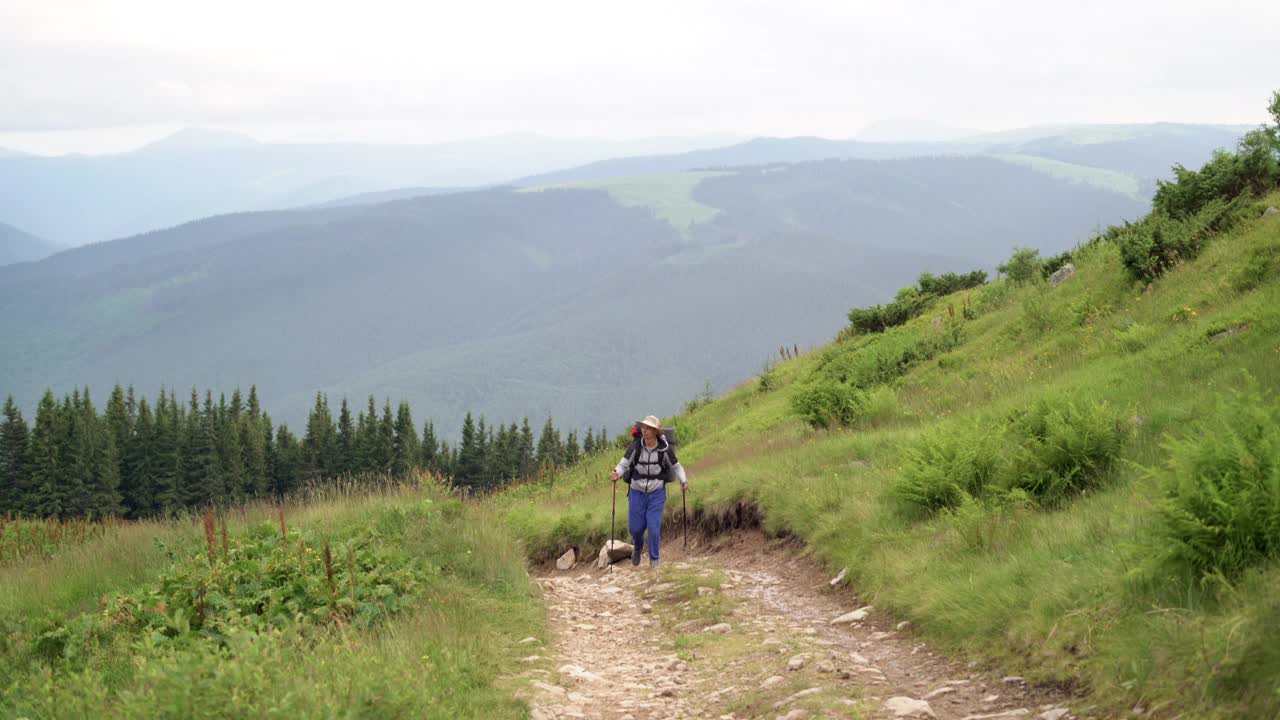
x: 422, y: 611
x: 1011, y: 475
x: 1105, y: 179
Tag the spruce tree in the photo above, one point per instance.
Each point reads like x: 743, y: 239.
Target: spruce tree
x: 43, y: 497
x: 253, y: 455
x: 288, y: 463
x: 138, y: 481
x: 430, y: 448
x: 588, y: 443
x: 75, y: 475
x: 385, y: 439
x: 347, y: 463
x: 549, y: 449
x: 167, y: 487
x: 201, y: 474
x: 571, y: 452
x: 469, y: 466
x: 405, y: 448
x: 230, y: 461
x: 15, y: 451
x: 119, y: 419
x: 367, y: 438
x: 528, y: 462
x: 320, y: 443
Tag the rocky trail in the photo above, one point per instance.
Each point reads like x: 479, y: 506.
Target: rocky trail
x: 747, y: 629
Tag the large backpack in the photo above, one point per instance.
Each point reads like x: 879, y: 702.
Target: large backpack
x: 664, y: 458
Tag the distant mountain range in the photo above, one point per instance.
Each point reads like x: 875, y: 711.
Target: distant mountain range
x: 591, y: 303
x: 77, y: 199
x: 19, y: 246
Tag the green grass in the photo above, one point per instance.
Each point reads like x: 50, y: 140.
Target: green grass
x: 425, y: 628
x: 1119, y: 182
x: 669, y: 195
x: 1073, y: 591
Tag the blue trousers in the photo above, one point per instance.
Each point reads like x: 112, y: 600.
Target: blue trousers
x: 645, y: 512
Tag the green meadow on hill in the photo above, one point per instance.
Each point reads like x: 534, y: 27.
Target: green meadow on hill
x: 1021, y: 470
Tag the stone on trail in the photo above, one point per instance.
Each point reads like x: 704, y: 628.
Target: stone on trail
x: 1014, y: 680
x: 797, y: 662
x: 905, y: 707
x: 947, y: 689
x: 1053, y: 714
x: 567, y: 560
x: 796, y: 696
x: 612, y: 552
x: 797, y: 714
x: 851, y: 617
x: 1273, y: 210
x: 838, y: 578
x: 718, y: 628
x: 1002, y: 715
x: 771, y: 681
x: 528, y: 640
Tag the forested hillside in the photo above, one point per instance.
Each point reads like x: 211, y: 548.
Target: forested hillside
x: 510, y: 303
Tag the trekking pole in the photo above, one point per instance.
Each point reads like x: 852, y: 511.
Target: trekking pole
x: 684, y: 514
x: 613, y: 524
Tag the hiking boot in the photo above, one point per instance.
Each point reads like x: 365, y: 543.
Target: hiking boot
x: 635, y: 556
x: 653, y: 563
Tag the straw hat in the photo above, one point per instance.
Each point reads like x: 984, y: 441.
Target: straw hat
x: 653, y: 422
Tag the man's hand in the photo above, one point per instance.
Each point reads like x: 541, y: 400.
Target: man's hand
x: 684, y: 487
x: 614, y: 476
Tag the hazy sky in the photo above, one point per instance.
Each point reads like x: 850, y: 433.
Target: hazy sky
x: 98, y: 76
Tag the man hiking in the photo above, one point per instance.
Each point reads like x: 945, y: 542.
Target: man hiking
x: 648, y: 465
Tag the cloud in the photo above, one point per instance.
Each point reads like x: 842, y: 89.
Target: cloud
x: 435, y: 71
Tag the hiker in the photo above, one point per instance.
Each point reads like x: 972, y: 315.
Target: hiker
x: 647, y: 466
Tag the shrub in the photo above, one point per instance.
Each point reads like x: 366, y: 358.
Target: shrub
x: 947, y: 283
x: 1221, y: 507
x: 1253, y: 169
x: 825, y: 403
x: 768, y: 378
x: 944, y: 467
x: 1063, y: 448
x: 1158, y: 241
x: 1051, y: 265
x: 1023, y: 266
x: 912, y: 300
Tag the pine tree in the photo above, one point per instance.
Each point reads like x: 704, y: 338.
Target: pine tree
x: 15, y: 452
x: 588, y: 443
x: 405, y: 448
x: 367, y: 438
x: 43, y: 495
x: 348, y: 463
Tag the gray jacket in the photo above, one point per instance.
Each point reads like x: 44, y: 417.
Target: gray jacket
x: 645, y: 476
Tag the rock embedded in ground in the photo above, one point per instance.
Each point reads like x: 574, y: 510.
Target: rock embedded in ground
x: 612, y: 552
x: 719, y: 628
x: 1273, y: 210
x: 851, y: 617
x: 1014, y: 680
x: 945, y: 690
x: 796, y: 696
x: 903, y: 625
x: 1062, y: 274
x: 567, y: 560
x: 797, y: 662
x: 771, y: 681
x: 905, y: 707
x: 839, y: 578
x: 797, y: 714
x: 1002, y: 715
x: 1053, y: 714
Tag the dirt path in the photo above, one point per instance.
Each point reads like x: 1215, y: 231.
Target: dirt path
x: 745, y: 630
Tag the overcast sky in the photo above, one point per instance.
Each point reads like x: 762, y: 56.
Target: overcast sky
x: 102, y: 76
